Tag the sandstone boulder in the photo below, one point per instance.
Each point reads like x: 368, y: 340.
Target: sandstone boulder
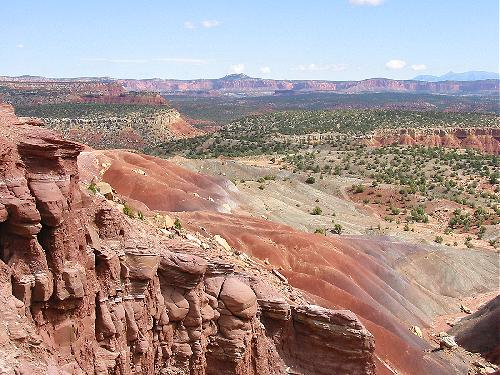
x: 239, y: 298
x: 141, y: 266
x: 70, y: 283
x: 177, y: 306
x: 181, y: 270
x: 105, y: 189
x: 222, y: 241
x: 49, y: 200
x: 43, y: 287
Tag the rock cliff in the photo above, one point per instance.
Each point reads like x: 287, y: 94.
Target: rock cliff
x: 134, y: 128
x: 241, y: 83
x: 33, y: 91
x: 88, y: 290
x: 486, y: 140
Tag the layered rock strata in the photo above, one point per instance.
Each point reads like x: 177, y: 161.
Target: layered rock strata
x: 86, y: 290
x: 486, y: 140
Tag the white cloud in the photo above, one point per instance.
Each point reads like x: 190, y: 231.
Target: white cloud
x: 265, y: 70
x: 189, y: 25
x: 395, y: 64
x: 372, y: 3
x: 20, y: 45
x: 322, y: 67
x: 419, y: 67
x: 210, y: 23
x: 237, y: 68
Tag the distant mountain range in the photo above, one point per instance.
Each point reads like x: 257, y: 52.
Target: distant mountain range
x: 474, y: 75
x: 243, y: 85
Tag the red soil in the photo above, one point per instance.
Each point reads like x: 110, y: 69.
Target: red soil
x: 183, y: 129
x: 161, y: 185
x: 359, y: 274
x: 336, y: 273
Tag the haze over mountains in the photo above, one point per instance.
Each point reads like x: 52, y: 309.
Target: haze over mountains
x: 473, y: 75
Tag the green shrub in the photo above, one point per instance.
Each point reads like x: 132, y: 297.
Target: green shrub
x: 127, y: 210
x: 337, y: 229
x: 438, y: 239
x: 357, y: 189
x: 310, y: 180
x: 177, y: 224
x: 418, y: 214
x: 467, y: 242
x: 395, y: 210
x: 92, y: 187
x: 316, y: 211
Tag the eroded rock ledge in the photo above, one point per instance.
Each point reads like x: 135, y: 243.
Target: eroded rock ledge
x: 486, y: 140
x: 85, y: 291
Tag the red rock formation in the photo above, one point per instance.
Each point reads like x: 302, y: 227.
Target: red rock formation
x: 87, y: 290
x: 34, y: 91
x: 366, y: 276
x: 345, y: 273
x: 486, y: 140
x: 242, y: 83
x: 318, y: 330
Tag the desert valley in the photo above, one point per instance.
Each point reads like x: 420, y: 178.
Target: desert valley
x: 365, y: 235
x: 321, y: 224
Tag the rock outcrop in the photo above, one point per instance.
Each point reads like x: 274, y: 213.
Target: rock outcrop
x: 336, y: 335
x: 86, y: 290
x: 242, y: 83
x: 38, y: 90
x: 478, y: 332
x: 485, y: 140
x: 133, y: 127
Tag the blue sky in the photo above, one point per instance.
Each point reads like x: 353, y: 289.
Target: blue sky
x: 315, y: 39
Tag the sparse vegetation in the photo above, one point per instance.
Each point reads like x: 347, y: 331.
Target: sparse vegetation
x: 177, y: 224
x: 316, y: 211
x: 92, y: 188
x: 337, y: 229
x: 127, y: 210
x: 418, y: 215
